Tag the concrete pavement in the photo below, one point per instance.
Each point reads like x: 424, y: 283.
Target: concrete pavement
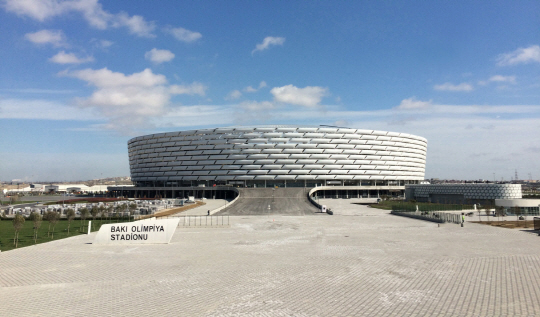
x: 358, y: 262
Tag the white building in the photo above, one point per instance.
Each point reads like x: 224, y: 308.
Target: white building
x: 267, y: 156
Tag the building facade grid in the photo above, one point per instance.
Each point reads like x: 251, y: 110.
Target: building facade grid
x: 277, y: 153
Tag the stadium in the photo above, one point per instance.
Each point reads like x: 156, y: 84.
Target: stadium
x: 337, y: 161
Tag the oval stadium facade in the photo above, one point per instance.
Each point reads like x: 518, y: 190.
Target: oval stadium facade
x: 285, y: 156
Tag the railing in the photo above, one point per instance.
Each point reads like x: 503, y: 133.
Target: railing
x: 439, y: 217
x: 406, y: 207
x: 202, y: 221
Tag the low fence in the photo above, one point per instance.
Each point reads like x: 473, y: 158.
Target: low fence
x: 202, y: 221
x: 434, y: 216
x: 407, y: 207
x: 226, y: 204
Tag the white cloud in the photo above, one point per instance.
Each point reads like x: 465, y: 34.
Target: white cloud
x: 54, y: 37
x: 40, y: 91
x: 192, y: 89
x: 501, y: 78
x: 135, y: 24
x: 91, y: 10
x: 235, y: 94
x: 105, y: 43
x: 267, y: 42
x: 69, y: 58
x: 257, y: 105
x: 107, y: 78
x: 262, y: 84
x: 452, y: 87
x: 38, y: 109
x: 131, y: 101
x: 183, y: 35
x: 159, y: 56
x: 412, y: 103
x: 36, y: 9
x: 520, y: 56
x: 307, y: 97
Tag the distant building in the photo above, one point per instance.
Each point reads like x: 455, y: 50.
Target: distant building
x: 527, y: 206
x: 462, y: 193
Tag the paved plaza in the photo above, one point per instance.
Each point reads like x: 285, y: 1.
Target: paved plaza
x: 358, y: 262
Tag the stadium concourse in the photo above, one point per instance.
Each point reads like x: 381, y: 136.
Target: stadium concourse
x: 359, y: 262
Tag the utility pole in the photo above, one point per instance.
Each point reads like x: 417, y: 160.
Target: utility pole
x: 516, y: 176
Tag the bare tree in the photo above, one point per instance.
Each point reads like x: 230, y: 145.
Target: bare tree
x: 94, y: 212
x: 55, y: 216
x: 18, y: 223
x: 487, y: 210
x: 479, y: 209
x: 84, y: 213
x: 36, y: 219
x: 70, y: 215
x: 110, y: 210
x: 123, y: 208
x: 517, y: 211
x: 13, y: 199
x: 47, y: 217
x: 101, y: 210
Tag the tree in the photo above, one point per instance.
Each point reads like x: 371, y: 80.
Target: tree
x: 132, y: 207
x: 47, y: 217
x: 94, y: 212
x: 36, y: 219
x: 54, y: 217
x: 479, y: 209
x: 84, y: 213
x: 110, y: 209
x: 70, y: 215
x: 18, y: 223
x: 499, y: 211
x: 120, y: 209
x: 487, y: 210
x: 517, y: 211
x: 101, y: 209
x: 123, y: 208
x: 13, y: 199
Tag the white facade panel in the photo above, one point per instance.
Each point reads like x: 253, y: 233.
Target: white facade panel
x: 307, y: 152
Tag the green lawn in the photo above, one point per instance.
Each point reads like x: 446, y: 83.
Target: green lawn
x: 26, y: 235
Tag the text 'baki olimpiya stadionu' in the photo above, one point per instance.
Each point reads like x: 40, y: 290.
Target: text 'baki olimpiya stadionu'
x: 282, y: 156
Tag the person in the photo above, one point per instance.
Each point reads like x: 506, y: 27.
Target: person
x: 462, y: 218
x: 208, y: 214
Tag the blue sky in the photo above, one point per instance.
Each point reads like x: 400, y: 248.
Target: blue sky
x: 78, y: 78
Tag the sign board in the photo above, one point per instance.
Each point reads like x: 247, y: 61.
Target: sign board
x: 148, y: 231
x: 323, y: 208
